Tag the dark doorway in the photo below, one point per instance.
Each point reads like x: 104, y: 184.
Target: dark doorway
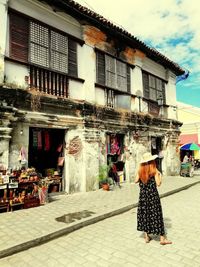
x: 45, y: 146
x: 156, y: 149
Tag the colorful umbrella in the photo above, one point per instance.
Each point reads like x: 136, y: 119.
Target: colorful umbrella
x: 190, y: 146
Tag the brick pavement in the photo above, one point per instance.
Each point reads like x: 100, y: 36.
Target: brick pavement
x: 23, y: 229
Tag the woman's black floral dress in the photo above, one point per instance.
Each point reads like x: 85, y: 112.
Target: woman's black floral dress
x: 149, y: 214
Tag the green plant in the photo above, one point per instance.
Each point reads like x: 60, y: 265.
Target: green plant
x: 103, y: 175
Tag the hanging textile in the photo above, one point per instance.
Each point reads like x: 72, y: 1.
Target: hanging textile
x: 39, y: 140
x: 115, y: 146
x: 35, y: 139
x: 46, y: 141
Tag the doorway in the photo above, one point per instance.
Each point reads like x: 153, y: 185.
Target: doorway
x: 45, y: 146
x: 156, y: 149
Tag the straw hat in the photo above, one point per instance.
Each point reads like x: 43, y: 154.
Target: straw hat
x: 148, y: 157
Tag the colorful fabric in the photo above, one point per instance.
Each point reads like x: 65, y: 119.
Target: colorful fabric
x: 35, y: 139
x: 46, y: 141
x: 39, y: 134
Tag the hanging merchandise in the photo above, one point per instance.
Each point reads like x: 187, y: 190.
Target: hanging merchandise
x: 61, y: 159
x: 46, y: 141
x: 115, y: 149
x: 59, y: 148
x: 35, y: 139
x: 39, y: 134
x: 22, y: 156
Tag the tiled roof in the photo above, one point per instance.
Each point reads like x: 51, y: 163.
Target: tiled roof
x: 95, y: 18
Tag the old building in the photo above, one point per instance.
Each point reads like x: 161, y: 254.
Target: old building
x: 74, y: 85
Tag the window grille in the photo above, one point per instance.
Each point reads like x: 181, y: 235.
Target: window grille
x: 39, y: 44
x: 59, y: 52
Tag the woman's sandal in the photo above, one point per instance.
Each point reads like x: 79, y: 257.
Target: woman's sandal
x: 147, y: 239
x: 165, y: 242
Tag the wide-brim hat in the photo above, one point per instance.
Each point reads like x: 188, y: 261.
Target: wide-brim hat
x: 148, y: 157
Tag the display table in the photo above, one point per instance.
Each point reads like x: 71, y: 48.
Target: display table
x: 16, y: 205
x: 4, y: 206
x: 54, y: 184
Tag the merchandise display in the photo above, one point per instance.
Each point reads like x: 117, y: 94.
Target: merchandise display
x: 26, y: 188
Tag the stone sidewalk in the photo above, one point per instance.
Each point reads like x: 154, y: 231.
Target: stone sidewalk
x: 22, y: 229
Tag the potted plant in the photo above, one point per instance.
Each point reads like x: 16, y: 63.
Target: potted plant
x: 104, y: 180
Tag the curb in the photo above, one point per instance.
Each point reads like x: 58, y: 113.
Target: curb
x: 46, y: 238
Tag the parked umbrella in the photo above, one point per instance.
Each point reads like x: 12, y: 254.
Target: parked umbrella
x: 190, y: 146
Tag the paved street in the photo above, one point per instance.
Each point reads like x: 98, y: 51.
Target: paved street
x: 115, y: 241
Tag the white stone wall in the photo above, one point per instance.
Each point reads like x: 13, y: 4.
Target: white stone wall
x: 20, y: 138
x: 171, y: 95
x: 87, y: 71
x: 75, y: 171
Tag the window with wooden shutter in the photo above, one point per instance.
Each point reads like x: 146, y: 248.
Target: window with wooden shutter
x: 39, y: 44
x: 72, y: 58
x: 111, y: 78
x: 112, y: 72
x: 59, y: 52
x: 121, y: 76
x: 19, y: 36
x: 100, y: 67
x: 145, y: 79
x: 128, y: 71
x: 153, y: 87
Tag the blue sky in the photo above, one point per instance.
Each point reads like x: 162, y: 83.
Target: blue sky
x: 170, y: 26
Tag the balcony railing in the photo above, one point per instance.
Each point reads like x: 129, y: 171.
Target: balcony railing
x: 49, y: 82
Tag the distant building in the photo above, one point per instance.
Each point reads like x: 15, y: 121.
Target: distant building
x: 190, y: 130
x: 74, y: 85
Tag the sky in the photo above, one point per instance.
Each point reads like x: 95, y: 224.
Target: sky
x: 170, y: 26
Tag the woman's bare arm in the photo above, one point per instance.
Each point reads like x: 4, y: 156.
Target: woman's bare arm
x: 158, y: 178
x: 137, y: 178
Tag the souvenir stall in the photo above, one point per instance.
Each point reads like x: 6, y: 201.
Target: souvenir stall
x: 46, y: 154
x: 26, y: 188
x: 115, y: 155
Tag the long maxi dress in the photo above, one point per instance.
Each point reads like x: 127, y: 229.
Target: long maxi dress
x: 149, y: 213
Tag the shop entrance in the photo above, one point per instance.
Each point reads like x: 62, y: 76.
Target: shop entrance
x: 115, y: 157
x: 45, y: 147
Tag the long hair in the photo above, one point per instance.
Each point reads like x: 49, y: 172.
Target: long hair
x: 146, y: 171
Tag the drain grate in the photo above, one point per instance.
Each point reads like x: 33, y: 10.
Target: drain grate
x: 71, y: 217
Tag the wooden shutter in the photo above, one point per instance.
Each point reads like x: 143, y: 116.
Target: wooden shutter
x: 121, y: 76
x: 163, y: 91
x: 111, y: 75
x: 72, y: 58
x: 128, y: 70
x: 145, y: 78
x: 19, y: 35
x: 100, y: 68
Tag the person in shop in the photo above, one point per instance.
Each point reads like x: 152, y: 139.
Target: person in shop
x: 114, y: 175
x: 149, y: 212
x: 186, y: 158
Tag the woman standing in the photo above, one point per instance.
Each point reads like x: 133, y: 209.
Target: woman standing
x: 149, y: 214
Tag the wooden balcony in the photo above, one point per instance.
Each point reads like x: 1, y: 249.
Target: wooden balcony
x: 49, y: 82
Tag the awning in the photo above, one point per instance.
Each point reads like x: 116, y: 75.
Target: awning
x: 188, y: 138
